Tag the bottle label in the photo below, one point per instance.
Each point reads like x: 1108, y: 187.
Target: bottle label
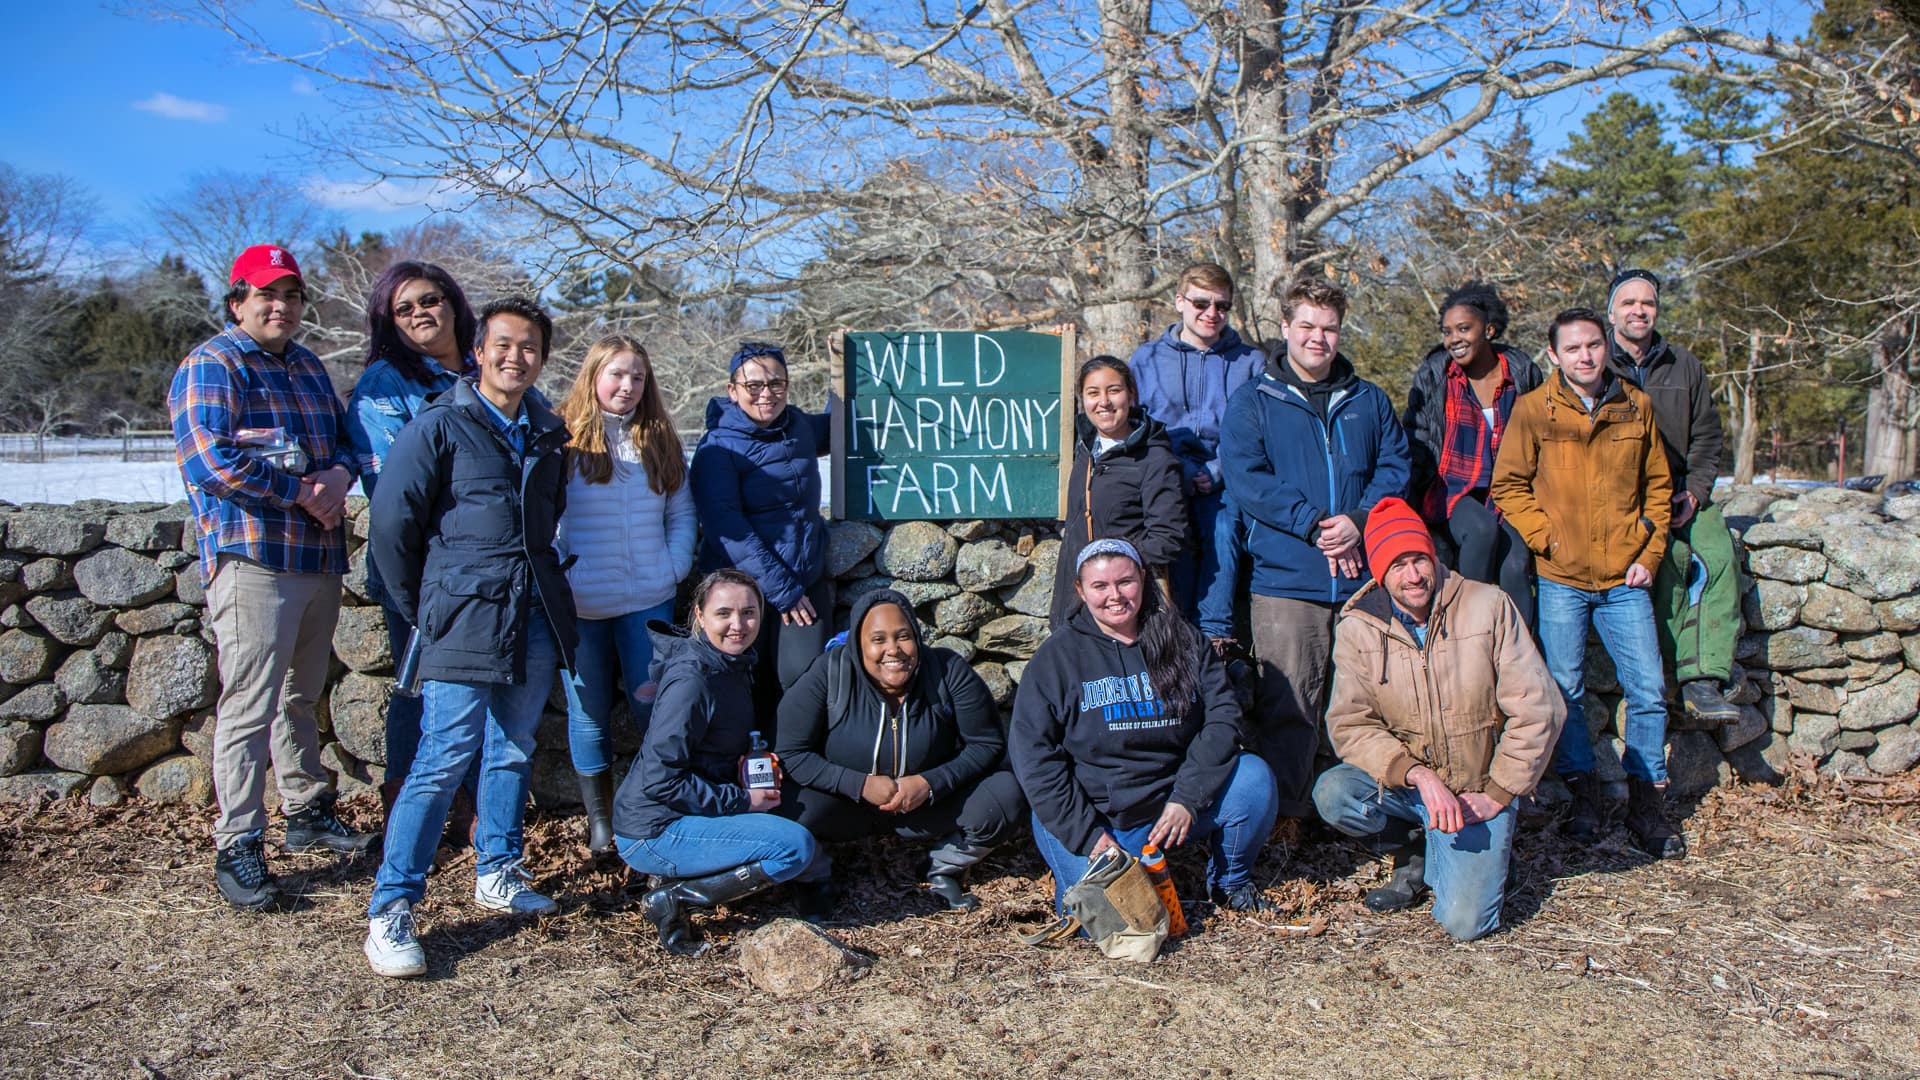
x: 759, y: 774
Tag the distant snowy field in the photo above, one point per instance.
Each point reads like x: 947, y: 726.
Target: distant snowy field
x: 74, y: 479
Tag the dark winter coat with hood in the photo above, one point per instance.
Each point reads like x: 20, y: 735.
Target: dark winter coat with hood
x: 1188, y: 388
x: 1094, y: 745
x: 1131, y: 492
x: 836, y: 729
x: 1425, y: 418
x: 756, y: 493
x: 463, y: 537
x: 689, y: 762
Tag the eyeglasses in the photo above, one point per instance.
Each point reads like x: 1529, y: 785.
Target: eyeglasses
x: 406, y: 308
x: 1202, y: 305
x: 776, y: 387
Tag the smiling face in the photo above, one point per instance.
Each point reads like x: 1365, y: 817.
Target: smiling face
x: 1636, y: 308
x: 1112, y: 586
x: 1581, y: 353
x: 425, y: 320
x: 1203, y: 314
x: 888, y: 649
x: 270, y: 314
x: 1313, y: 340
x: 620, y: 382
x: 1410, y: 581
x: 1105, y: 399
x: 510, y: 359
x: 759, y: 387
x: 1464, y: 332
x: 730, y: 617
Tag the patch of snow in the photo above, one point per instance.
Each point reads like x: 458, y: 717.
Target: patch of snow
x: 97, y: 478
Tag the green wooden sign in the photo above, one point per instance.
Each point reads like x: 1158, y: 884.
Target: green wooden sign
x: 951, y: 424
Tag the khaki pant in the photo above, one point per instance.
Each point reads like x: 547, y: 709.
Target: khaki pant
x: 1293, y: 644
x: 275, y: 636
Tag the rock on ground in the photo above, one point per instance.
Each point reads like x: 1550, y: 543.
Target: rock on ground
x: 117, y: 578
x: 71, y: 620
x: 999, y: 683
x: 40, y: 786
x: 25, y: 657
x: 360, y: 640
x: 181, y: 778
x: 1895, y: 701
x: 1035, y: 595
x: 54, y: 532
x: 359, y: 708
x: 171, y: 675
x: 85, y: 680
x: 788, y: 958
x: 1898, y: 751
x: 848, y: 542
x: 988, y: 564
x: 1013, y: 635
x: 101, y: 739
x: 19, y: 747
x: 37, y: 704
x: 918, y: 551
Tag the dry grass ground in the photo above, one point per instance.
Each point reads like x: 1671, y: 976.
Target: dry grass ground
x: 1786, y: 946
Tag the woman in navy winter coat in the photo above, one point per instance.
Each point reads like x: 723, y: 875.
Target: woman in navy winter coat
x: 756, y: 493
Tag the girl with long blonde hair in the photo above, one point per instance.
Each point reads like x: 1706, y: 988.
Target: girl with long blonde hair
x: 629, y: 526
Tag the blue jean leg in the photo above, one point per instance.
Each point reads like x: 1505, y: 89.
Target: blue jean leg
x: 1467, y: 870
x: 403, y: 713
x: 1235, y: 829
x: 697, y: 846
x: 1624, y: 617
x: 1565, y: 616
x: 605, y: 643
x: 512, y: 718
x: 1194, y: 569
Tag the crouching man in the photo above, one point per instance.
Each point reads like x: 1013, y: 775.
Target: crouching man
x: 1443, y: 713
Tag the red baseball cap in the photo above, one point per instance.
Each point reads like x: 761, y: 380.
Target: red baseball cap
x: 263, y: 264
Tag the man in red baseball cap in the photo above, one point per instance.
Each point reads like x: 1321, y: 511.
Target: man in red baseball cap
x: 260, y: 437
x: 1443, y: 713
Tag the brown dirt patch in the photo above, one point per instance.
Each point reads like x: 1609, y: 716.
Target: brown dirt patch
x: 1785, y: 946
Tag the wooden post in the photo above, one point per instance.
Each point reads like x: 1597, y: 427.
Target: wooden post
x: 1068, y: 407
x: 839, y: 424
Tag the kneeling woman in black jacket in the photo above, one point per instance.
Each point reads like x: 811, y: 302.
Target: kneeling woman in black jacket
x: 682, y: 813
x: 1125, y: 733
x: 886, y: 734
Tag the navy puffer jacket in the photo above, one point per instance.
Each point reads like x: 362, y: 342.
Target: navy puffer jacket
x: 756, y: 493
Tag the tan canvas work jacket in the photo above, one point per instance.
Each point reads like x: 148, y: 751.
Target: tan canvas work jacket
x: 1476, y: 705
x: 1591, y: 493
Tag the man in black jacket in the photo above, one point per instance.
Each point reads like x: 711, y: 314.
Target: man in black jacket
x: 1697, y: 592
x: 463, y: 527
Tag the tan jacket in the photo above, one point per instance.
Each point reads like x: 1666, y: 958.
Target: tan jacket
x: 1590, y: 495
x: 1476, y: 706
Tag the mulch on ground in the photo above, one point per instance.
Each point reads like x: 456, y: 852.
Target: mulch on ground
x: 1785, y: 945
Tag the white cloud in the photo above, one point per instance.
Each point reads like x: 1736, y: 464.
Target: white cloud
x: 303, y: 86
x: 379, y: 195
x: 179, y: 108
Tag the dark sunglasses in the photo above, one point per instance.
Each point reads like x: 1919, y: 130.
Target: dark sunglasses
x: 426, y: 303
x: 1203, y: 305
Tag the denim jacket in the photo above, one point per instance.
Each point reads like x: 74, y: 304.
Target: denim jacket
x: 383, y: 401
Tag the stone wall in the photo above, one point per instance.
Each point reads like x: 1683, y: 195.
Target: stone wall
x: 107, y: 668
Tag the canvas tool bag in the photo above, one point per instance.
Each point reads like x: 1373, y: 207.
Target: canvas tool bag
x: 1116, y: 904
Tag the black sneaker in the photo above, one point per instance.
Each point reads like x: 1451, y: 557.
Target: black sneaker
x: 1703, y: 701
x: 240, y: 870
x: 1246, y: 897
x: 317, y: 829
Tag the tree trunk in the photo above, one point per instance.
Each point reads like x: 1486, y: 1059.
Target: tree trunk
x: 1117, y: 185
x: 1267, y: 189
x: 1890, y: 436
x: 1747, y: 437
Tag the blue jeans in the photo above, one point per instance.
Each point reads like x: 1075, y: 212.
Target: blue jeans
x: 1198, y: 564
x: 497, y: 721
x: 1235, y: 828
x: 692, y: 847
x: 620, y: 640
x: 1624, y: 617
x: 1467, y: 870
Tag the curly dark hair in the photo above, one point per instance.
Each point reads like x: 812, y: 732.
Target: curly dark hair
x: 1482, y: 297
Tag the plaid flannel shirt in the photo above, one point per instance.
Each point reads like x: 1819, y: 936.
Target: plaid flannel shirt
x: 242, y: 505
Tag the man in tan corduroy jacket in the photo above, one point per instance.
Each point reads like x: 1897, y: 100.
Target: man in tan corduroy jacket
x: 1443, y: 713
x: 1583, y: 476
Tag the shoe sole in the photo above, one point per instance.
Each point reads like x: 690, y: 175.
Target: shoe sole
x: 253, y: 907
x: 509, y: 909
x: 396, y: 971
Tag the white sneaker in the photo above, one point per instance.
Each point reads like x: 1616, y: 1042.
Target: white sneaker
x: 506, y: 889
x: 391, y: 948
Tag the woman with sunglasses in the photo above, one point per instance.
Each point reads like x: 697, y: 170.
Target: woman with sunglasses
x: 756, y: 494
x: 420, y: 335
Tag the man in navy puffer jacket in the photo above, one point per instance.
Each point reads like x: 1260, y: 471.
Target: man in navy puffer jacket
x: 1308, y: 448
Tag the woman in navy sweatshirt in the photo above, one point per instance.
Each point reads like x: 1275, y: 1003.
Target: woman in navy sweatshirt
x: 1125, y: 733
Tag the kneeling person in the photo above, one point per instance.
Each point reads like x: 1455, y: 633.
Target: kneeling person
x: 1443, y: 712
x: 886, y: 734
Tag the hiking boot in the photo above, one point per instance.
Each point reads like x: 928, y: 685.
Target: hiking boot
x: 317, y: 829
x: 506, y: 889
x: 1246, y: 897
x: 1703, y: 701
x: 1586, y: 817
x: 1406, y: 844
x: 1647, y: 821
x: 666, y: 906
x: 240, y: 870
x: 596, y: 794
x: 391, y: 948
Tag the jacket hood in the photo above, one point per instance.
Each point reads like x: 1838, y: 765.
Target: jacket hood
x: 676, y: 646
x: 1339, y: 376
x: 866, y: 603
x: 1144, y: 429
x: 1228, y: 341
x: 724, y: 415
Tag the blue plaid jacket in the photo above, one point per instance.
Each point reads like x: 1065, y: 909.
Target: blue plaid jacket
x: 242, y: 505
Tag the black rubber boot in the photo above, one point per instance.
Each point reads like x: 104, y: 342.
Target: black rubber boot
x: 1586, y: 817
x: 316, y: 828
x: 947, y: 871
x: 596, y: 793
x: 1703, y: 701
x: 1406, y: 844
x: 665, y: 907
x: 1647, y: 822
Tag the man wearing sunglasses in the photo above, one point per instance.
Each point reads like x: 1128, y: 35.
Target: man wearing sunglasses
x: 1185, y: 377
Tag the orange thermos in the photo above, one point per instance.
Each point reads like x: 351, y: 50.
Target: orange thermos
x: 1155, y: 864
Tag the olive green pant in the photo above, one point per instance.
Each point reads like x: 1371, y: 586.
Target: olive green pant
x: 1699, y: 636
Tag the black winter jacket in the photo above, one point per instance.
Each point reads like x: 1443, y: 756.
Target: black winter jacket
x: 1425, y: 417
x: 462, y: 537
x: 689, y: 762
x: 1093, y: 744
x: 831, y: 719
x: 1683, y: 410
x: 1133, y: 492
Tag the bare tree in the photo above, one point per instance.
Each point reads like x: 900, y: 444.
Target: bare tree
x: 44, y: 222
x: 221, y: 214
